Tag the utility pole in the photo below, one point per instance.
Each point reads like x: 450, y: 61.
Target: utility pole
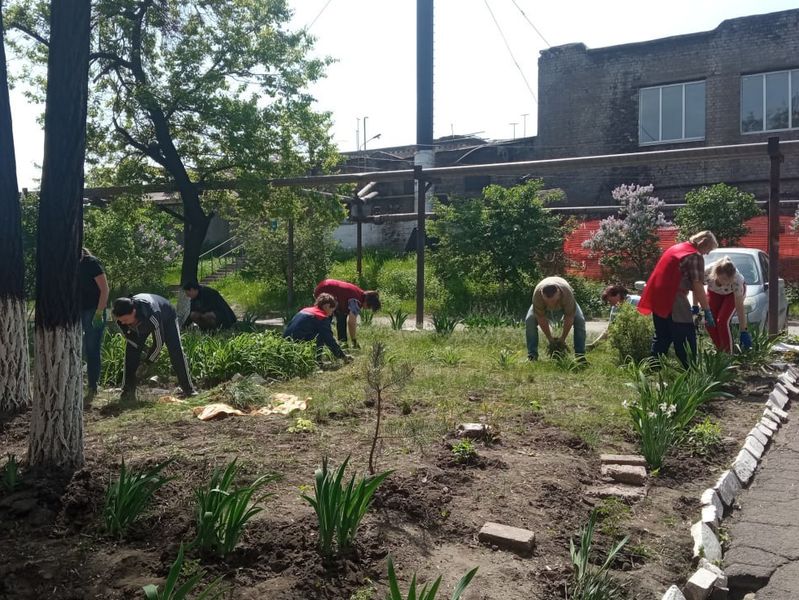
x: 364, y: 132
x: 358, y: 134
x: 514, y: 129
x: 524, y: 126
x: 425, y: 156
x: 775, y: 157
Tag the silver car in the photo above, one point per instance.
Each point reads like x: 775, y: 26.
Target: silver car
x: 753, y: 265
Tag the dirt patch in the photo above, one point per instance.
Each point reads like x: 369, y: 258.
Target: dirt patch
x: 426, y: 515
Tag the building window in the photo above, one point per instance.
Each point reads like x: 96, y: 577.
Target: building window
x: 770, y: 101
x: 670, y: 113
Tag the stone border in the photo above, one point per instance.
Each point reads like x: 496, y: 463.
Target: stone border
x: 709, y: 581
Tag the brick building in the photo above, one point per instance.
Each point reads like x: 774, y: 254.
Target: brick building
x: 736, y: 84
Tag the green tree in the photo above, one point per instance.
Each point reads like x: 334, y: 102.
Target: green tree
x: 722, y: 208
x: 189, y: 91
x: 506, y: 236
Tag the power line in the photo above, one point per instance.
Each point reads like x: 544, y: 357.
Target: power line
x: 515, y: 62
x: 319, y: 14
x: 526, y: 18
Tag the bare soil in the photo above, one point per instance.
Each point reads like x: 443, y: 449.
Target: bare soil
x: 426, y: 515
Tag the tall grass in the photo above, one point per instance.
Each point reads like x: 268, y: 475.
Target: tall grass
x: 590, y: 582
x: 429, y: 591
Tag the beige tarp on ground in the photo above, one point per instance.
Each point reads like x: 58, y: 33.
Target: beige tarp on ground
x: 281, y: 404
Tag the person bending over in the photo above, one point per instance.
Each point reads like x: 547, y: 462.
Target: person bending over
x: 350, y: 299
x: 208, y: 310
x: 553, y: 299
x: 140, y: 317
x: 313, y: 323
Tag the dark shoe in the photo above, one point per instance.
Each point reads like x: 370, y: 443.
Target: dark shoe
x: 89, y: 396
x: 532, y: 357
x: 189, y: 394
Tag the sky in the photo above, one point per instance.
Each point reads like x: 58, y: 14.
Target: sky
x: 485, y: 61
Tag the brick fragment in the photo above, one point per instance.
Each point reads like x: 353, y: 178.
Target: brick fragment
x: 706, y: 544
x: 632, y: 475
x: 727, y: 487
x: 635, y: 460
x: 506, y: 537
x: 623, y: 492
x: 711, y: 498
x: 753, y: 446
x: 744, y: 466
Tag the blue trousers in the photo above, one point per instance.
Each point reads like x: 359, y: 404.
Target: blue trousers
x: 92, y: 345
x: 531, y: 326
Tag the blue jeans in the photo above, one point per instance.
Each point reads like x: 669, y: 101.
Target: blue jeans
x: 531, y: 325
x: 92, y: 342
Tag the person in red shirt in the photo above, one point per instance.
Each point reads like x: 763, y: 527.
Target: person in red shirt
x: 679, y: 270
x: 350, y: 299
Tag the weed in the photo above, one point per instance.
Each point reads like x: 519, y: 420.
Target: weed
x: 365, y: 593
x: 223, y: 510
x: 189, y: 587
x: 444, y: 324
x: 10, y: 475
x: 397, y: 319
x: 428, y: 591
x: 419, y: 431
x: 703, y: 439
x: 367, y: 317
x: 590, y: 582
x: 447, y: 355
x: 569, y: 363
x: 302, y: 426
x: 611, y: 513
x: 507, y: 358
x: 406, y: 406
x: 535, y: 405
x: 243, y: 394
x: 464, y: 452
x: 340, y: 509
x: 128, y: 496
x: 762, y: 345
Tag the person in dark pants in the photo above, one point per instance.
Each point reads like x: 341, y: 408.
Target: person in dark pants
x: 208, y: 310
x: 93, y: 290
x: 313, y: 323
x: 679, y: 270
x: 140, y: 317
x: 350, y: 299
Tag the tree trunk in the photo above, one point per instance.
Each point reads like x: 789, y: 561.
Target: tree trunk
x: 56, y: 437
x: 195, y: 228
x: 14, y: 374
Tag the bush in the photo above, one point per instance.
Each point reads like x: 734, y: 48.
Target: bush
x: 216, y: 358
x: 627, y: 245
x: 135, y: 243
x: 703, y: 439
x: 631, y: 334
x: 588, y: 294
x: 721, y: 208
x: 495, y: 247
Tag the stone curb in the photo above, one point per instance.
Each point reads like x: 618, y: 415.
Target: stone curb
x: 709, y: 581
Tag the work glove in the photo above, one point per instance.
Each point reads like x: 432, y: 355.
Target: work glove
x: 694, y: 310
x: 98, y: 320
x: 709, y: 320
x: 746, y: 340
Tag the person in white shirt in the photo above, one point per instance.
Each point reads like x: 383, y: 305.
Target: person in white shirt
x: 726, y: 290
x: 615, y: 296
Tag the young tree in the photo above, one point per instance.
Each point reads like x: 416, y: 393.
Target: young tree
x: 722, y: 208
x: 56, y: 436
x: 627, y: 244
x: 14, y: 374
x: 187, y: 91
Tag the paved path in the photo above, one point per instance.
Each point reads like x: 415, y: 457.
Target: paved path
x: 764, y: 533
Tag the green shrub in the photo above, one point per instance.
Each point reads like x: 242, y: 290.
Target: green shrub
x: 631, y: 334
x: 588, y: 294
x: 721, y: 208
x: 591, y: 582
x: 130, y: 494
x: 216, y: 358
x: 223, y: 510
x: 428, y: 591
x: 703, y: 439
x: 188, y: 588
x: 444, y: 324
x: 464, y: 452
x: 9, y: 479
x: 340, y: 509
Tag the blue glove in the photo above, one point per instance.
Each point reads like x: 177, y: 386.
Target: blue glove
x: 695, y: 310
x: 746, y: 340
x: 709, y: 320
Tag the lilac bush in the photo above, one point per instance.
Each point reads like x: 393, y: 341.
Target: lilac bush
x: 627, y: 244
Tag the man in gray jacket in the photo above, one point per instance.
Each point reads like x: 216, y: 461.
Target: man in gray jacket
x: 140, y: 317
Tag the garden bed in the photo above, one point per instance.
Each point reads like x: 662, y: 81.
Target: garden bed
x: 552, y: 426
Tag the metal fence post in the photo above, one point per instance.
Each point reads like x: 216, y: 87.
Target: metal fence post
x: 775, y: 158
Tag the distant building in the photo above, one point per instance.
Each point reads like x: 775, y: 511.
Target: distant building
x: 736, y: 84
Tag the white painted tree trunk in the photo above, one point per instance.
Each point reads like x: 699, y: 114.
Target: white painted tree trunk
x: 56, y: 437
x: 15, y: 388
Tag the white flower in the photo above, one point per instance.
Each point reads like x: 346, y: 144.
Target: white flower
x: 651, y: 414
x: 625, y: 404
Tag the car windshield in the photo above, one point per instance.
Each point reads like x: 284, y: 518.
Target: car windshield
x: 745, y: 263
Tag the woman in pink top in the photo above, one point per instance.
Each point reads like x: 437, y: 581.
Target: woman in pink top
x: 726, y: 290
